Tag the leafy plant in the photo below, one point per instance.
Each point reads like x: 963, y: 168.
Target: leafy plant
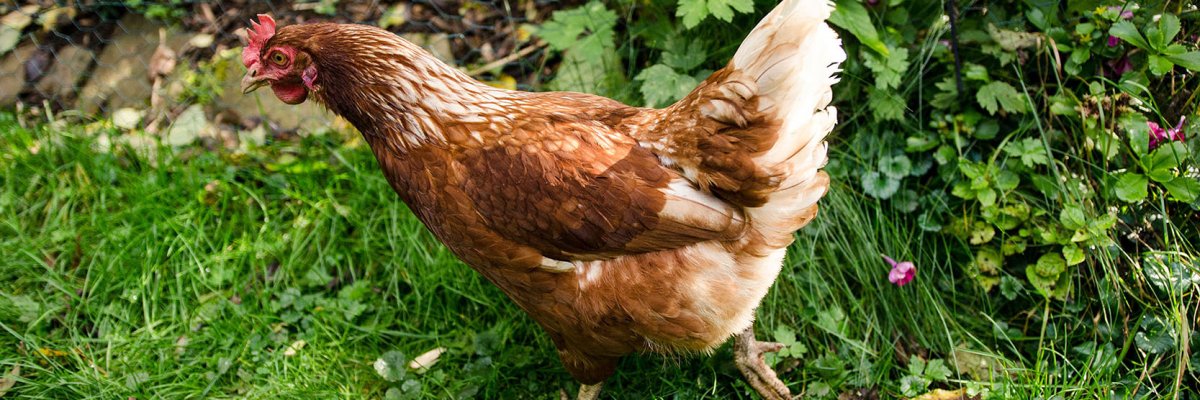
x: 921, y: 374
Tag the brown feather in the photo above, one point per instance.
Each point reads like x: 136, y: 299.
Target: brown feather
x: 647, y: 207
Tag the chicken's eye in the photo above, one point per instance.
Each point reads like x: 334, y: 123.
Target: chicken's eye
x: 278, y: 58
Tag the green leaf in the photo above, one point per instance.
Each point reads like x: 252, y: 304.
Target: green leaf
x: 885, y: 105
x: 879, y: 186
x: 692, y: 12
x: 1189, y: 60
x: 981, y: 233
x: 920, y: 143
x: 661, y: 85
x: 1169, y: 276
x: 1073, y: 254
x: 1156, y: 342
x: 785, y: 335
x: 987, y: 130
x: 946, y: 96
x: 945, y: 154
x: 970, y: 169
x: 1063, y: 105
x: 1000, y: 95
x: 928, y: 221
x: 1050, y: 264
x: 1168, y: 28
x: 888, y: 69
x: 392, y: 366
x: 1131, y: 187
x: 896, y: 167
x: 988, y: 261
x: 936, y: 370
x: 906, y: 200
x: 1159, y: 65
x: 1048, y: 275
x: 1183, y: 188
x: 1030, y: 151
x: 911, y: 386
x: 1007, y: 217
x: 585, y: 36
x: 963, y: 189
x: 1006, y: 180
x: 695, y: 11
x: 587, y: 30
x: 684, y: 55
x: 577, y: 73
x: 986, y: 197
x: 852, y: 16
x: 1010, y: 287
x: 1129, y: 33
x: 1072, y: 217
x: 724, y: 9
x: 916, y: 366
x: 1038, y: 18
x: 1138, y: 132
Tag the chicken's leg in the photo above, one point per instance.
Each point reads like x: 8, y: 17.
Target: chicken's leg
x: 748, y: 354
x: 589, y: 392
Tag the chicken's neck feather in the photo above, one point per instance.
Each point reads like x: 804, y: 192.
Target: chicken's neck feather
x: 396, y: 92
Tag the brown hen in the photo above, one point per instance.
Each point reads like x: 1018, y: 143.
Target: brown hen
x: 618, y: 229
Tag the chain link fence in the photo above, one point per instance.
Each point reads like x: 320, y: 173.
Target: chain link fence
x: 173, y: 67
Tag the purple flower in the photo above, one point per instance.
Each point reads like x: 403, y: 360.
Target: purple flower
x: 1158, y: 135
x: 902, y: 272
x: 1118, y: 67
x: 1113, y: 41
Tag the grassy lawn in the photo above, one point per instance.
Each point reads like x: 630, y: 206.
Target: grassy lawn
x: 287, y: 270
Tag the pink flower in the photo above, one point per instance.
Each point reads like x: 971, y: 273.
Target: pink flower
x: 902, y: 272
x: 1158, y: 135
x: 1113, y: 41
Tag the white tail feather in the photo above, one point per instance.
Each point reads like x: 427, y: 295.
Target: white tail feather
x: 794, y: 56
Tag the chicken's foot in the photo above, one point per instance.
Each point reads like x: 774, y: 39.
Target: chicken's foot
x: 589, y: 392
x: 748, y: 354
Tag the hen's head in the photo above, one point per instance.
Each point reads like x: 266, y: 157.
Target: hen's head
x: 286, y: 68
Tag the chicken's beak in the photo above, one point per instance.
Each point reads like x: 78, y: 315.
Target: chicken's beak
x: 251, y: 82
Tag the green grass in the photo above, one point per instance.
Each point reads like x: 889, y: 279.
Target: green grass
x: 189, y: 275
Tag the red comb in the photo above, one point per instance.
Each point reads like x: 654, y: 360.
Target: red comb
x: 256, y: 36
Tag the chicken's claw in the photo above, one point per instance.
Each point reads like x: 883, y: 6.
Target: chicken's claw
x: 748, y: 354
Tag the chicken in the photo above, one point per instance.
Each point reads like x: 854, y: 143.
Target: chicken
x: 618, y: 229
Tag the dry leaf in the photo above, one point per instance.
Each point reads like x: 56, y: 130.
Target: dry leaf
x: 293, y: 348
x: 941, y: 394
x: 181, y: 344
x: 127, y: 118
x: 56, y: 16
x: 9, y: 380
x: 977, y: 365
x: 201, y: 41
x: 48, y: 352
x: 506, y: 81
x: 426, y: 360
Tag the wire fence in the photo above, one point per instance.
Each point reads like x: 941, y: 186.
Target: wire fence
x: 151, y: 66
